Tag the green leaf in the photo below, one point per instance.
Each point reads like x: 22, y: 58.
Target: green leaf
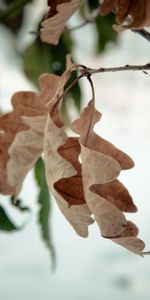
x: 45, y: 209
x: 105, y: 32
x: 43, y: 58
x: 5, y: 223
x: 12, y: 15
x: 37, y: 60
x: 13, y: 9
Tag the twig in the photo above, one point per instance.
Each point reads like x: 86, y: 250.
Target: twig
x: 13, y: 9
x: 88, y: 71
x: 145, y: 34
x: 89, y: 17
x: 69, y: 87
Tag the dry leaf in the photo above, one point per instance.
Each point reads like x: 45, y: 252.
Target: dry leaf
x: 135, y: 13
x: 59, y: 13
x: 22, y: 130
x: 63, y: 171
x: 26, y: 125
x: 105, y: 195
x: 22, y: 137
x: 129, y: 240
x: 80, y: 189
x: 117, y: 194
x: 64, y: 176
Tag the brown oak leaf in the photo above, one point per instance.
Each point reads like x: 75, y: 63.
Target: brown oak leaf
x: 59, y: 13
x: 22, y: 131
x: 135, y: 13
x: 105, y: 195
x: 63, y: 171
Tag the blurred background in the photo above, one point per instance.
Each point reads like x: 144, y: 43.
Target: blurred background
x: 41, y: 257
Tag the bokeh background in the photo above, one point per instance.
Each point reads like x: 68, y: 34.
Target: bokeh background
x: 41, y: 257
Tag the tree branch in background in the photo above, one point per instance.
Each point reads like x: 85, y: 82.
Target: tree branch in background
x: 145, y: 34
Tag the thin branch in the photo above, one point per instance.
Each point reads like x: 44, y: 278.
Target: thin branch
x: 145, y: 34
x: 89, y: 17
x: 69, y: 88
x: 88, y: 71
x: 65, y: 92
x: 14, y: 8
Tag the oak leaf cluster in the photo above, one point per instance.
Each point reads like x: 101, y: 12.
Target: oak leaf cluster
x: 81, y: 170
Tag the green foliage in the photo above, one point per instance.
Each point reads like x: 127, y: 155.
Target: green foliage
x: 44, y: 207
x: 5, y: 223
x: 12, y: 15
x: 103, y: 26
x: 41, y: 58
x: 105, y: 32
x: 37, y: 60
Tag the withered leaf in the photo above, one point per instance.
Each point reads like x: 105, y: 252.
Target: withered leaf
x: 117, y: 194
x: 135, y: 13
x: 22, y: 131
x: 59, y: 13
x: 128, y: 239
x: 21, y: 134
x: 104, y: 194
x: 63, y: 172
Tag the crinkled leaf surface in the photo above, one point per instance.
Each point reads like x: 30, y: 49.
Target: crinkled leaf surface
x: 137, y: 12
x: 63, y: 173
x: 104, y: 194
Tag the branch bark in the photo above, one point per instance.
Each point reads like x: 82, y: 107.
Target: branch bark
x: 85, y: 71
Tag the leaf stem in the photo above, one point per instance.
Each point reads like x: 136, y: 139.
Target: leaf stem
x: 92, y: 87
x: 88, y: 72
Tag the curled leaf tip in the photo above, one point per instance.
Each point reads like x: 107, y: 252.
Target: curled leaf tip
x: 129, y: 14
